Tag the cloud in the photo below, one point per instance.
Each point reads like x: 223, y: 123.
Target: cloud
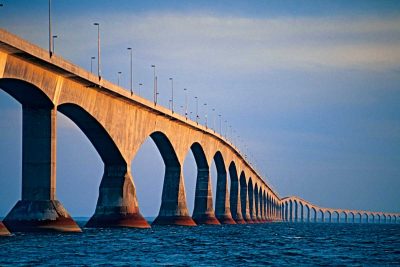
x: 240, y: 44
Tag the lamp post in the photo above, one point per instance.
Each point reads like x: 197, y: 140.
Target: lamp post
x: 91, y: 64
x: 131, y: 71
x: 186, y: 102
x: 220, y: 124
x: 98, y: 50
x: 154, y: 83
x: 213, y: 114
x: 172, y: 94
x: 205, y: 107
x: 50, y: 35
x: 119, y: 76
x: 226, y: 127
x: 54, y: 47
x: 140, y: 84
x: 197, y: 109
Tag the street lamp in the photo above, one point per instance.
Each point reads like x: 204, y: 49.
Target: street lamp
x: 91, y: 64
x: 186, y: 103
x: 226, y: 127
x: 119, y: 76
x: 131, y: 72
x: 213, y: 111
x: 172, y: 94
x: 154, y: 83
x: 205, y: 107
x: 98, y: 49
x: 54, y: 47
x: 140, y: 84
x: 220, y: 124
x: 50, y: 35
x: 197, y: 109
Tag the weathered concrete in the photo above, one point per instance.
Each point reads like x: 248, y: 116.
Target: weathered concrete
x: 244, y: 199
x: 40, y: 216
x: 117, y: 205
x: 203, y: 212
x: 3, y: 230
x: 222, y: 202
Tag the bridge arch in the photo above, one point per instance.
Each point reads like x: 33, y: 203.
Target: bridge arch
x: 257, y: 203
x: 116, y: 184
x: 343, y: 216
x: 264, y: 196
x: 251, y: 186
x: 173, y: 209
x: 337, y: 215
x: 235, y: 194
x: 26, y: 93
x: 39, y: 117
x: 203, y: 212
x: 308, y: 212
x: 364, y: 217
x: 222, y: 197
x: 315, y: 214
x: 245, y: 197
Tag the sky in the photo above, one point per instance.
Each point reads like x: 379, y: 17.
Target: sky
x: 311, y: 90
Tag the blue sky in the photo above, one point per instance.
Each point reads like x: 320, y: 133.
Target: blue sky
x: 311, y: 87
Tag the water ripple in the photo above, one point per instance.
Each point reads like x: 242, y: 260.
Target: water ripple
x: 238, y: 245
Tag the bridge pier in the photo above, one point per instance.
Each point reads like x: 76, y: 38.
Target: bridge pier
x: 235, y: 199
x: 38, y: 209
x: 3, y: 230
x: 222, y: 205
x: 117, y: 205
x: 203, y: 212
x: 244, y: 201
x: 173, y: 210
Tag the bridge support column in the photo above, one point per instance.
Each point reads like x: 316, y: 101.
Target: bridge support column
x: 235, y: 200
x: 245, y: 203
x: 117, y: 205
x: 253, y: 208
x: 173, y: 210
x: 222, y: 205
x: 38, y: 209
x: 203, y: 212
x: 3, y: 230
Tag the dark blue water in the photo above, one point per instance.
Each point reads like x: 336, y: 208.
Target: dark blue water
x: 237, y: 245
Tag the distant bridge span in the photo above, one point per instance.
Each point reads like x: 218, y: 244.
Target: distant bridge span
x: 296, y: 209
x: 117, y: 123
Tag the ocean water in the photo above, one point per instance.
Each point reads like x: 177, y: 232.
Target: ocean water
x: 228, y: 245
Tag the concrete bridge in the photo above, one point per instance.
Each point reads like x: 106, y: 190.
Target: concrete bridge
x: 295, y: 209
x: 117, y: 122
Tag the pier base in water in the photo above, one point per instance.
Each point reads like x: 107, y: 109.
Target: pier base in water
x: 3, y: 230
x: 117, y: 219
x: 206, y: 219
x: 174, y: 220
x: 40, y: 216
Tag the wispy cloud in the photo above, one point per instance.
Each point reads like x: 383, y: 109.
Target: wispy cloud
x: 243, y: 44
